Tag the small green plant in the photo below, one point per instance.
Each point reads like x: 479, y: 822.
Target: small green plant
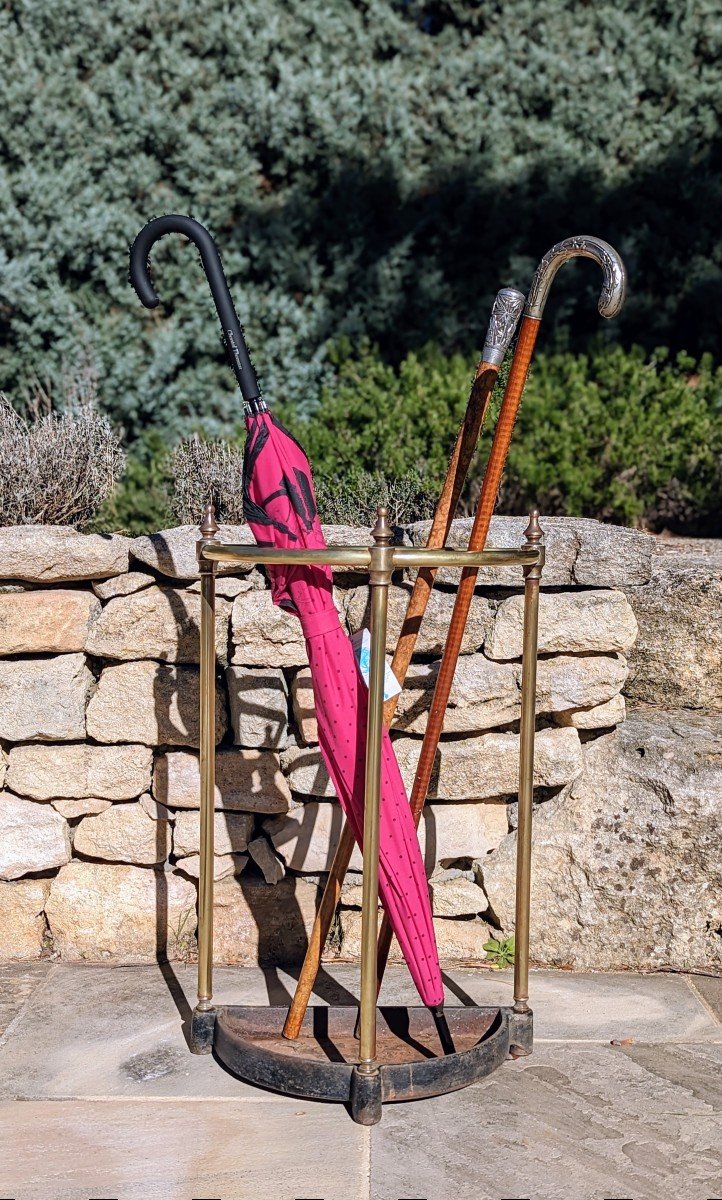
x: 500, y: 952
x: 183, y: 946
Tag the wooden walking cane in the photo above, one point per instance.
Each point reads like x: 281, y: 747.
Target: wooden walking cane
x: 504, y: 317
x: 610, y: 302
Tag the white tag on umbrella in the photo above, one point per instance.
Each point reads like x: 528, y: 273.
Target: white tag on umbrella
x: 361, y: 642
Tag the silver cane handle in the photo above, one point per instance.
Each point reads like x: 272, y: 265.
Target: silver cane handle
x: 614, y: 287
x: 505, y: 313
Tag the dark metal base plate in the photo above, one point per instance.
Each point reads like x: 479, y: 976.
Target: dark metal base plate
x: 322, y: 1062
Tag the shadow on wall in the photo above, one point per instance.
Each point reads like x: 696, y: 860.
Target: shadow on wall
x: 258, y: 895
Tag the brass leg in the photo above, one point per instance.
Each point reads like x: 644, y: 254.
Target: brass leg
x: 208, y: 531
x: 370, y: 900
x: 208, y: 787
x: 526, y: 772
x: 366, y: 1091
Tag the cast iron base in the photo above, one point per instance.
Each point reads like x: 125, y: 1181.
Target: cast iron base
x: 322, y: 1063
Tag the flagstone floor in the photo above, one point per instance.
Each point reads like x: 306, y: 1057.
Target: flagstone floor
x: 99, y: 1097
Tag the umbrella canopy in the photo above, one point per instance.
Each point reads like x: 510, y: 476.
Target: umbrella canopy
x: 280, y: 506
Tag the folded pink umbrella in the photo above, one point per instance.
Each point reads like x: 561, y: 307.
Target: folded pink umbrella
x: 280, y: 506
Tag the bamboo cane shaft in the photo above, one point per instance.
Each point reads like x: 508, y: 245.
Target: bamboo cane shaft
x: 528, y: 332
x: 457, y: 470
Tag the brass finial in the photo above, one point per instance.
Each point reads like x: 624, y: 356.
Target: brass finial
x: 533, y: 533
x: 382, y: 533
x: 209, y: 525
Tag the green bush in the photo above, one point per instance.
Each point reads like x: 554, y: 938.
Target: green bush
x: 377, y: 168
x: 374, y: 417
x: 622, y: 436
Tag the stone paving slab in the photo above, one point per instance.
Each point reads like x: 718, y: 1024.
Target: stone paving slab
x: 570, y: 1123
x: 97, y: 1032
x: 18, y: 981
x: 187, y: 1150
x: 115, y: 1105
x: 710, y: 989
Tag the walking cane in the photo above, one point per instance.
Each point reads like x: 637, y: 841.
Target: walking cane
x: 504, y: 317
x: 610, y: 302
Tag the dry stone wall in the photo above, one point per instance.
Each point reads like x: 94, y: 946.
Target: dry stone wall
x: 99, y: 822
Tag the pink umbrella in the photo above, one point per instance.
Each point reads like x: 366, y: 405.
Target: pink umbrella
x: 280, y: 506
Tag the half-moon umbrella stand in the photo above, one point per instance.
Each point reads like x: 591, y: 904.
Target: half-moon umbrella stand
x: 397, y: 1054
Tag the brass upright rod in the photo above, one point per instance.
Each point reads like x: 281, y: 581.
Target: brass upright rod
x: 532, y: 575
x: 207, y: 767
x: 381, y: 567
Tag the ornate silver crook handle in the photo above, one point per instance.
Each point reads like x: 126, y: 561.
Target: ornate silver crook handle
x: 614, y: 287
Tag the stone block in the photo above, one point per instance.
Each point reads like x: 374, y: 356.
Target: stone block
x: 122, y: 585
x: 158, y: 622
x: 488, y: 765
x: 677, y: 659
x: 46, y: 622
x: 304, y: 706
x: 602, y: 716
x: 458, y: 897
x: 80, y: 771
x: 33, y: 837
x: 569, y: 623
x: 580, y: 551
x: 254, y: 923
x: 70, y: 809
x: 228, y: 586
x: 305, y: 772
x: 172, y: 552
x: 155, y: 703
x: 266, y: 860
x: 265, y: 635
x: 626, y: 860
x: 44, y: 699
x: 246, y: 780
x: 231, y: 832
x: 224, y: 865
x: 22, y: 924
x: 570, y: 681
x: 483, y: 694
x: 123, y: 833
x: 59, y: 554
x: 258, y: 699
x: 435, y: 625
x: 98, y: 911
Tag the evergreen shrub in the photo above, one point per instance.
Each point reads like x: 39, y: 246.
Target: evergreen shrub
x: 626, y: 437
x: 371, y: 169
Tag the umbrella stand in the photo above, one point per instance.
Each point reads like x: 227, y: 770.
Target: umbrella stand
x: 397, y: 1057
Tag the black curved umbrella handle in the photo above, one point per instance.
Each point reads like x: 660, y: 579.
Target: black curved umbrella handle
x: 233, y: 338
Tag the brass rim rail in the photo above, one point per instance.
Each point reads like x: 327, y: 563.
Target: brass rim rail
x: 380, y: 560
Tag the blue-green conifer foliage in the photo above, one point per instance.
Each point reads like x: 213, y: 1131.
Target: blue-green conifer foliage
x: 368, y: 168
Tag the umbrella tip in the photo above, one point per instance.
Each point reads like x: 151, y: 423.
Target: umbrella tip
x: 382, y: 533
x: 209, y: 525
